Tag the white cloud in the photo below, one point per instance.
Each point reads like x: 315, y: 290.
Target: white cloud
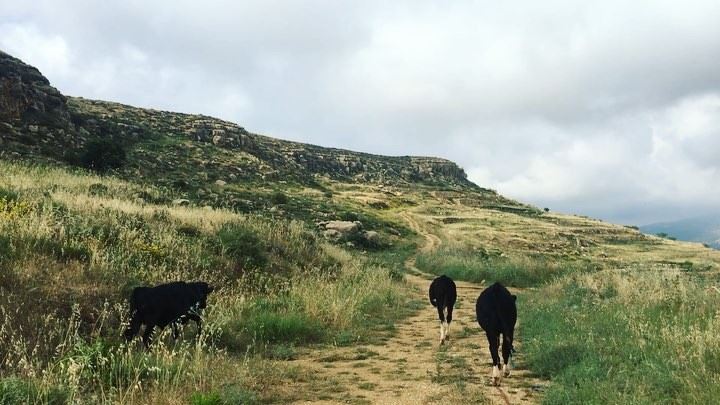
x: 606, y: 108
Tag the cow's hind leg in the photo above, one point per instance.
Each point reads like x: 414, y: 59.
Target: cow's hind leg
x: 147, y: 335
x: 175, y: 330
x: 441, y: 315
x: 506, y: 353
x: 448, y: 319
x: 494, y: 343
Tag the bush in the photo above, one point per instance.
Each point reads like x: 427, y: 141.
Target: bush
x: 8, y: 195
x: 102, y: 155
x: 279, y: 198
x: 243, y: 245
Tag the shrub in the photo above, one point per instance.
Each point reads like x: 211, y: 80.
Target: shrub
x: 279, y: 198
x: 243, y: 245
x: 188, y: 230
x: 102, y: 155
x: 8, y: 195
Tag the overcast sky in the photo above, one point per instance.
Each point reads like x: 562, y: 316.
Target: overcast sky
x: 609, y: 109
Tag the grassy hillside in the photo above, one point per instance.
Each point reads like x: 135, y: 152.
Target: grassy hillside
x: 97, y: 198
x: 608, y: 314
x: 72, y: 245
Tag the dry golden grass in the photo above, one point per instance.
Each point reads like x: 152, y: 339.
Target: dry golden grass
x: 73, y: 244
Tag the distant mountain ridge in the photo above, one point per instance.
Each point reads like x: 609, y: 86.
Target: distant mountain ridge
x: 37, y: 120
x: 705, y: 229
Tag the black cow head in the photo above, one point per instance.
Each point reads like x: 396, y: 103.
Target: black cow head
x: 203, y: 289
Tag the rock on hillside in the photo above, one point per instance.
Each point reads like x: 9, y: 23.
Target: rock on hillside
x: 37, y: 121
x: 32, y: 113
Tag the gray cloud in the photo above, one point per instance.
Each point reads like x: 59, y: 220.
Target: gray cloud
x: 609, y: 109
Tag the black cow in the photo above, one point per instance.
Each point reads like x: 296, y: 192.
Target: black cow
x: 166, y: 304
x: 442, y: 296
x: 497, y: 314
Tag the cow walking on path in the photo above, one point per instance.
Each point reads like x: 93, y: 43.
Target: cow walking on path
x: 497, y: 314
x: 166, y: 304
x: 443, y: 295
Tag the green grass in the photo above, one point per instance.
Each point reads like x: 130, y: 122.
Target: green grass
x: 73, y: 245
x: 632, y: 337
x: 516, y: 272
x: 21, y: 391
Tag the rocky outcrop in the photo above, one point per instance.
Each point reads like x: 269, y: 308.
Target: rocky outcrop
x: 36, y: 120
x: 27, y: 99
x: 34, y: 116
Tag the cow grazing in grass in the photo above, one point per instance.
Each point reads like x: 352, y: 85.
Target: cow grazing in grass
x: 442, y: 296
x: 497, y: 313
x: 166, y: 304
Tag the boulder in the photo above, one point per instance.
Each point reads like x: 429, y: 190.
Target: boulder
x: 343, y: 227
x: 181, y: 202
x: 371, y: 236
x: 332, y: 234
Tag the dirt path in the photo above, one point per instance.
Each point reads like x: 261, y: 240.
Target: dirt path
x: 411, y: 367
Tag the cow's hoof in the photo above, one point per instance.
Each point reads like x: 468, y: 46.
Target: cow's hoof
x: 506, y: 370
x: 496, y: 376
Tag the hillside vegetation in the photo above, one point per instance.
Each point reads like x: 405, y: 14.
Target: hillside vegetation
x: 607, y: 314
x: 97, y: 198
x: 72, y: 247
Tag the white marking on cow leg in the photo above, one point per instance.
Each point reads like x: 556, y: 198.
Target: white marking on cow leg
x: 442, y: 333
x: 506, y: 370
x: 447, y: 329
x: 496, y: 375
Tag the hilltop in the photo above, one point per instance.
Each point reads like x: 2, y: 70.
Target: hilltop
x: 39, y: 120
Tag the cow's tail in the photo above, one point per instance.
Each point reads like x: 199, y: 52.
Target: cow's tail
x: 507, y: 331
